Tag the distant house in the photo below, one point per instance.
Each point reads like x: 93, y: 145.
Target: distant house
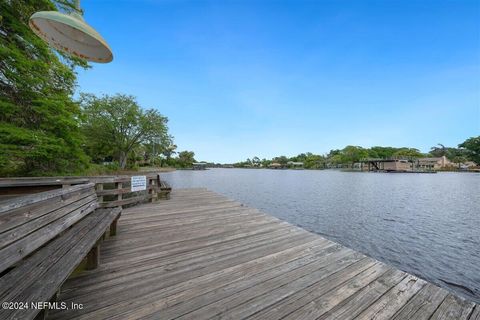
x: 397, y: 165
x: 275, y: 165
x: 199, y: 166
x: 387, y: 165
x: 470, y: 164
x: 467, y: 165
x: 295, y: 165
x: 435, y: 163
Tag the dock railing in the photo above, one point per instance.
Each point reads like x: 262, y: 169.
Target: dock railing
x: 115, y: 191
x: 112, y: 191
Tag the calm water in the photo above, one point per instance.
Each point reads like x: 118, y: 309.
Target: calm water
x: 425, y: 224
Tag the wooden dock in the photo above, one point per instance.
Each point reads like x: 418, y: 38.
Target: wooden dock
x: 203, y: 256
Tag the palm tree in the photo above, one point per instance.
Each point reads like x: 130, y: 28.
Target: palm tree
x: 439, y: 150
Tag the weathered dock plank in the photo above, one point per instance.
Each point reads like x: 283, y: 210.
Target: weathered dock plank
x: 475, y: 313
x: 453, y: 308
x: 424, y: 303
x: 203, y: 256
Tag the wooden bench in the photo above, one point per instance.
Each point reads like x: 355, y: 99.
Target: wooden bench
x: 164, y: 187
x: 43, y: 238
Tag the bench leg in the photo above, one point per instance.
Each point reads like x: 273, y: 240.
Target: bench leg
x: 165, y: 194
x: 42, y: 315
x: 93, y: 257
x: 113, y: 227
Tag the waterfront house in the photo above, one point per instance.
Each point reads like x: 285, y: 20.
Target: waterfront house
x: 199, y: 166
x: 469, y: 164
x: 434, y: 163
x: 275, y: 165
x: 388, y: 165
x: 295, y: 165
x: 464, y: 166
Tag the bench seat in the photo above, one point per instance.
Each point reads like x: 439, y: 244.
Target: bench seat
x: 38, y: 277
x: 43, y: 238
x: 164, y: 187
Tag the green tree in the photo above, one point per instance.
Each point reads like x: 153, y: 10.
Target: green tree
x: 335, y: 160
x: 313, y: 161
x: 186, y: 159
x: 352, y: 154
x: 439, y: 150
x: 265, y: 163
x: 282, y: 160
x: 300, y: 158
x: 472, y: 149
x: 117, y: 125
x: 39, y: 132
x: 381, y: 152
x: 168, y: 151
x: 408, y: 153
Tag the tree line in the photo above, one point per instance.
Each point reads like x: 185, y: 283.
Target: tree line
x: 469, y: 150
x: 45, y: 131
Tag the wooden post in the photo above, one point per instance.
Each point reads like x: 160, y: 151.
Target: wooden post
x: 152, y: 189
x: 93, y: 257
x: 118, y: 186
x: 99, y: 187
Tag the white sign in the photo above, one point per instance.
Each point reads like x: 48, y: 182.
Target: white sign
x: 139, y: 183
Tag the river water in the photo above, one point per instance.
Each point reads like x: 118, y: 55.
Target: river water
x: 424, y: 224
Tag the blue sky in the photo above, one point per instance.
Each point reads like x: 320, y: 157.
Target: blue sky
x: 239, y: 79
